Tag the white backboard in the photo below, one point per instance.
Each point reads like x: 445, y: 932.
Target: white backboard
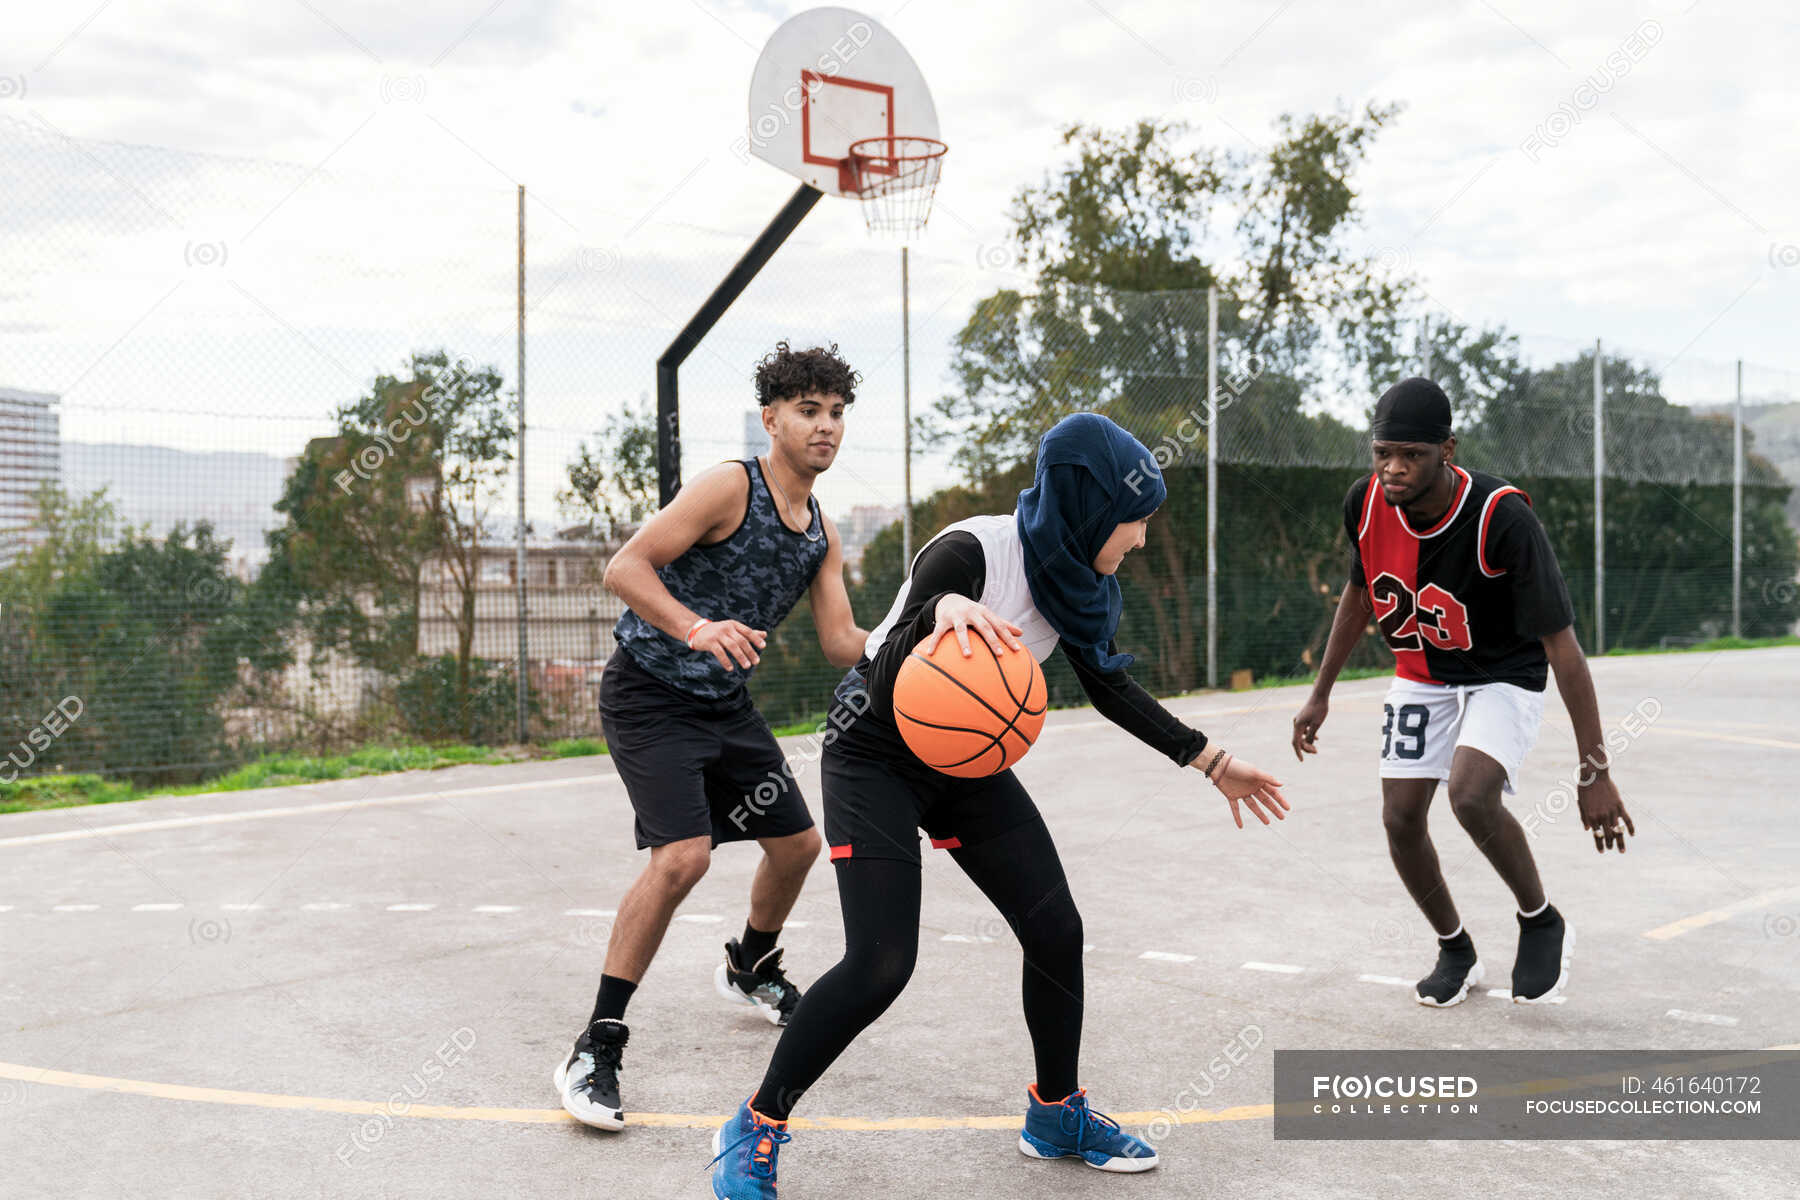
x: 829, y: 77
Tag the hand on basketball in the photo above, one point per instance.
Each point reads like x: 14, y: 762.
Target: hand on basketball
x: 1306, y: 727
x: 733, y: 643
x: 1243, y: 781
x: 1603, y: 812
x: 963, y: 614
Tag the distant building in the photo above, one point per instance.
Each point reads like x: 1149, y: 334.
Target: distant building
x: 860, y: 528
x: 29, y: 458
x: 756, y: 438
x: 569, y: 626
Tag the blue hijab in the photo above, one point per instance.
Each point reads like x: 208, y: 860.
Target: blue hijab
x: 1092, y: 476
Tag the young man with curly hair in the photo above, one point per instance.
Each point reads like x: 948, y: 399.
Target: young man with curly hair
x: 705, y: 581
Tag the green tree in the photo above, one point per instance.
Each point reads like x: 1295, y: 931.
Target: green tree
x: 70, y: 534
x: 152, y: 640
x: 1116, y: 322
x: 612, y: 485
x: 398, y: 504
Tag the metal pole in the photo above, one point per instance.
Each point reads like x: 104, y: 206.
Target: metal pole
x: 1599, y: 505
x: 522, y: 683
x: 906, y: 529
x: 1212, y: 487
x: 668, y: 366
x: 1737, y: 505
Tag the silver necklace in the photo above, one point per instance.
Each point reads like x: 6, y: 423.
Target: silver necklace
x: 769, y: 474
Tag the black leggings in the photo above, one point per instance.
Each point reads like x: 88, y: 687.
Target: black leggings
x: 1021, y: 873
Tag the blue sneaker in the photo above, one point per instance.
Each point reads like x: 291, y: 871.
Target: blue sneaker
x: 744, y: 1151
x: 1058, y: 1128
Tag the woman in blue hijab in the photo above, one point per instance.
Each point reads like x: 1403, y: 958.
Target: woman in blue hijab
x: 1038, y: 578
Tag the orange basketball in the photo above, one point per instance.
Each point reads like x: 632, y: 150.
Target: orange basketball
x: 970, y: 716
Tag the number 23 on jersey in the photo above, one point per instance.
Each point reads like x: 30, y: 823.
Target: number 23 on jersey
x: 1433, y: 614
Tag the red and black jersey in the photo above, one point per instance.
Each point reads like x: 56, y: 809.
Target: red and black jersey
x: 1469, y: 599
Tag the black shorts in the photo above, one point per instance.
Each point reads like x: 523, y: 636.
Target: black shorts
x: 695, y: 767
x: 878, y: 797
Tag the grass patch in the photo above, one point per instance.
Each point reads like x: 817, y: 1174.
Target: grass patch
x: 62, y: 791
x: 574, y: 747
x: 1707, y: 647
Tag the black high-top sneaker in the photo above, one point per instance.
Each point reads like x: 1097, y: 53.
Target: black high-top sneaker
x: 588, y: 1080
x: 762, y: 983
x: 1457, y: 970
x: 1546, y: 944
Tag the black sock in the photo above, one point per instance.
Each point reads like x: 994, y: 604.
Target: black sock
x: 615, y: 993
x: 754, y: 944
x: 1461, y: 944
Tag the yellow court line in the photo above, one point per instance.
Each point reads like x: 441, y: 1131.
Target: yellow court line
x: 1713, y: 916
x: 554, y: 1116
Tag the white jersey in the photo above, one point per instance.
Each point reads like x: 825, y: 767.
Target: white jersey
x: 1004, y: 589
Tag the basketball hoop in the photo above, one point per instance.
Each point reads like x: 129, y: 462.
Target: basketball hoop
x: 895, y: 177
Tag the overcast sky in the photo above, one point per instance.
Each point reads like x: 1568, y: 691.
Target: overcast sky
x: 1621, y: 171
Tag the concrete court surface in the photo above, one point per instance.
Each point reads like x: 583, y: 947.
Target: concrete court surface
x: 359, y: 989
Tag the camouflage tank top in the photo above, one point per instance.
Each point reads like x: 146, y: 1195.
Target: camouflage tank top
x: 756, y: 576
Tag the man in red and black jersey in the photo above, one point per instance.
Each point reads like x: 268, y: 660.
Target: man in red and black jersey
x: 1455, y: 568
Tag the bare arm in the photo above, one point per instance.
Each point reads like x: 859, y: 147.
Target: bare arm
x: 1602, y: 809
x: 707, y: 509
x: 839, y: 636
x: 1347, y: 625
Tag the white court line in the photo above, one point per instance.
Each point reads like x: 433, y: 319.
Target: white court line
x: 495, y: 908
x: 154, y: 907
x: 790, y: 924
x: 591, y: 912
x: 1389, y: 980
x: 76, y: 908
x: 410, y: 907
x: 6, y: 908
x: 1698, y: 1018
x: 240, y: 907
x: 965, y: 938
x: 1166, y: 956
x: 324, y: 906
x: 1277, y: 968
x: 699, y: 918
x: 294, y: 810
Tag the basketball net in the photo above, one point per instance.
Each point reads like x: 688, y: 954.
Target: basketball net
x: 895, y: 178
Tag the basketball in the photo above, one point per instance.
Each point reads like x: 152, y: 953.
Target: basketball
x: 970, y: 716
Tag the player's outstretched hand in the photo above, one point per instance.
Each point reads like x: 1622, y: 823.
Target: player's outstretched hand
x: 963, y: 614
x: 1306, y: 727
x: 1603, y: 812
x: 1242, y: 781
x: 729, y: 640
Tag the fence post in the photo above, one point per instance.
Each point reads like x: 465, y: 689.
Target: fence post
x: 1212, y: 486
x: 1599, y: 505
x: 906, y: 529
x: 521, y: 682
x: 1737, y: 505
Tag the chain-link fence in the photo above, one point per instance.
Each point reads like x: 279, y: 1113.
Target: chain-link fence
x: 258, y: 454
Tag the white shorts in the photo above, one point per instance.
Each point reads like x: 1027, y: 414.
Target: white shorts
x: 1424, y: 723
